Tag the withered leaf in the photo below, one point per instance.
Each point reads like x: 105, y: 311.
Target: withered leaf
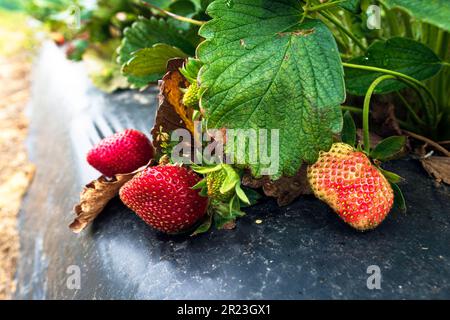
x: 230, y: 225
x: 171, y: 113
x: 94, y: 197
x: 438, y: 167
x: 285, y: 189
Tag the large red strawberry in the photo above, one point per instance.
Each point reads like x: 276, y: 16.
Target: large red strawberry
x: 122, y: 152
x: 163, y: 198
x: 348, y: 182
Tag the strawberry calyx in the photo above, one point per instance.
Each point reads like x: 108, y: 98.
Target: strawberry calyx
x: 190, y: 70
x: 222, y: 184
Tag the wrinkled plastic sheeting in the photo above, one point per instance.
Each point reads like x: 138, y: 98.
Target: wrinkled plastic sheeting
x: 297, y: 252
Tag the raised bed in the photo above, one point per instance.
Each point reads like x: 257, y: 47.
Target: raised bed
x: 301, y: 251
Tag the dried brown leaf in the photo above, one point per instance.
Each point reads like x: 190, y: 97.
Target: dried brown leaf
x: 94, y: 197
x: 438, y: 167
x: 171, y: 113
x: 285, y: 189
x: 230, y: 225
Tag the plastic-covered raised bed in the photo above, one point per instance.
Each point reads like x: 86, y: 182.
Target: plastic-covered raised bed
x: 299, y: 251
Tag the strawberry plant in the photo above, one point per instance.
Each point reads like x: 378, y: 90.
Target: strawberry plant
x: 304, y: 69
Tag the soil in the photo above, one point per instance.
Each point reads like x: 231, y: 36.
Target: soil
x: 15, y: 170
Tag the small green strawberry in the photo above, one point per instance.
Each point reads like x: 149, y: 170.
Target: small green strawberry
x: 191, y: 96
x: 222, y: 185
x: 214, y: 181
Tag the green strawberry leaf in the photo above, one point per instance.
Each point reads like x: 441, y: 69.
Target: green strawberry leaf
x: 204, y: 226
x: 185, y: 8
x: 163, y: 4
x: 252, y: 195
x: 234, y: 204
x: 145, y: 33
x: 199, y: 185
x: 205, y: 169
x: 353, y: 6
x: 220, y: 221
x: 391, y: 176
x: 152, y: 61
x: 204, y: 192
x: 388, y: 148
x: 398, y: 54
x: 348, y: 133
x: 78, y: 49
x: 399, y: 199
x: 231, y: 180
x: 435, y: 12
x: 241, y: 194
x: 264, y: 69
x: 226, y: 212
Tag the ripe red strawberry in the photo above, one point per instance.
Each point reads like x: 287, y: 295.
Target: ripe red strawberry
x: 348, y: 182
x: 163, y: 198
x: 122, y: 152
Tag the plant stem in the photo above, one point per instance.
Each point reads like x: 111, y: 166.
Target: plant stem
x: 410, y: 109
x: 175, y: 16
x: 326, y: 5
x: 439, y: 39
x: 338, y: 24
x: 407, y: 24
x: 392, y: 20
x: 387, y: 71
x: 409, y: 80
x: 430, y: 142
x: 352, y: 109
x: 366, y: 109
x: 305, y: 10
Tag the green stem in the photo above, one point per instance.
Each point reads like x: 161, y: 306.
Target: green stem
x: 366, y: 109
x: 326, y: 5
x: 392, y: 20
x: 386, y: 71
x: 439, y: 39
x: 410, y: 109
x: 352, y: 109
x: 305, y: 10
x: 409, y: 80
x: 338, y: 24
x: 424, y: 34
x: 175, y: 16
x: 407, y: 24
x: 343, y: 40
